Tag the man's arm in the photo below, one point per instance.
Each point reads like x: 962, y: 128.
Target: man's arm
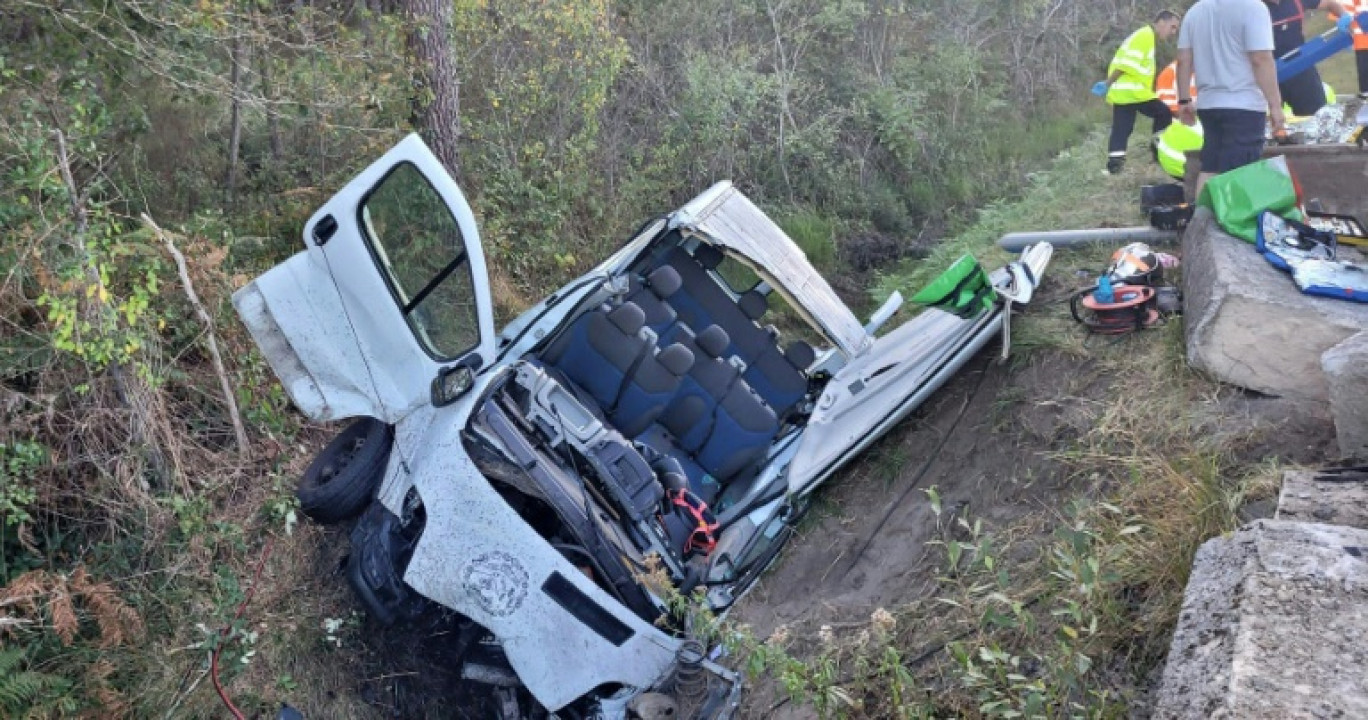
x: 1266, y: 74
x: 1334, y: 7
x: 1182, y: 82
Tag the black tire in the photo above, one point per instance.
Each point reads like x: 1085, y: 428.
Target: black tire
x: 341, y: 481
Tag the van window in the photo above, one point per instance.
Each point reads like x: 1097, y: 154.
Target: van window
x: 419, y: 248
x: 738, y: 276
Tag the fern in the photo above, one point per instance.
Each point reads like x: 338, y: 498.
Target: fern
x: 28, y: 693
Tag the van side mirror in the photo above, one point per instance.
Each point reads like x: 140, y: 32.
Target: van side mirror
x: 451, y: 383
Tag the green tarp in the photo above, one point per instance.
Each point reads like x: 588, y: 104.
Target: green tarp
x: 964, y: 289
x: 1237, y: 197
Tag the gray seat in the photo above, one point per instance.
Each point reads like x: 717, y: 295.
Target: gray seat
x: 780, y: 377
x: 652, y: 292
x: 716, y: 427
x: 701, y: 302
x: 599, y: 350
x: 648, y: 390
x: 690, y: 415
x: 606, y: 356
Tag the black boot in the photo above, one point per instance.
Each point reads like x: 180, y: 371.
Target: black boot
x: 1115, y: 165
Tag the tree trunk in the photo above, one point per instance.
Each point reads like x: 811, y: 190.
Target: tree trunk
x: 272, y: 111
x: 235, y: 132
x: 437, y: 91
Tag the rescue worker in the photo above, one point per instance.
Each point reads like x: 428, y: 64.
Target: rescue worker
x: 1166, y: 87
x: 1174, y: 144
x: 1129, y: 86
x: 1303, y: 93
x: 1228, y: 45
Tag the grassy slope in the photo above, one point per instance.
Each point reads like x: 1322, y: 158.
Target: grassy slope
x: 1082, y: 627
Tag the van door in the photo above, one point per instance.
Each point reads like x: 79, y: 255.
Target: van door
x: 390, y: 294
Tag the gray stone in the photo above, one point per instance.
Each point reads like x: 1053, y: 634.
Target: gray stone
x: 1247, y: 324
x: 1306, y: 499
x: 1346, y: 374
x: 1272, y: 626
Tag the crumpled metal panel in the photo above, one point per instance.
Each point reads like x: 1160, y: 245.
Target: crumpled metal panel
x: 729, y: 219
x: 292, y: 314
x: 875, y: 391
x: 479, y: 558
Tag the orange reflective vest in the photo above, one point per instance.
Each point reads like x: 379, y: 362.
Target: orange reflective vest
x: 1360, y: 34
x: 1167, y: 86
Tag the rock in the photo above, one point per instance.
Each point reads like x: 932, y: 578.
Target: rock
x: 1346, y: 374
x: 1306, y: 499
x: 1272, y: 626
x: 1247, y: 324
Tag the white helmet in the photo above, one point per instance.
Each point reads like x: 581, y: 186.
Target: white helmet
x: 1135, y: 264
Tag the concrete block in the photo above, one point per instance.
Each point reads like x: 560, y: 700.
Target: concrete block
x: 1305, y: 499
x: 1346, y: 375
x: 1247, y: 324
x: 1272, y: 626
x: 1334, y: 174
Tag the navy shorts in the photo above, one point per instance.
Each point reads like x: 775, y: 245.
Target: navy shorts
x: 1232, y: 138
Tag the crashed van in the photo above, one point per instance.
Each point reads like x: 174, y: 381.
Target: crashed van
x: 654, y: 428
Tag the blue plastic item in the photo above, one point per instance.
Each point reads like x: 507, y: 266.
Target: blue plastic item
x: 1104, y: 293
x: 1287, y: 243
x: 1315, y: 50
x: 1332, y: 279
x: 1100, y: 88
x: 1345, y: 23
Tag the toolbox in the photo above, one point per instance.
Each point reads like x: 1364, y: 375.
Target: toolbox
x: 1346, y: 228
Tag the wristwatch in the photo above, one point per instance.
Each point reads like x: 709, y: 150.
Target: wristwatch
x: 1184, y: 101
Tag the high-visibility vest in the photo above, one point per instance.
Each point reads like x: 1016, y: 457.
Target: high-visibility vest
x: 1174, y: 144
x: 1360, y: 33
x: 1166, y: 87
x: 1135, y: 61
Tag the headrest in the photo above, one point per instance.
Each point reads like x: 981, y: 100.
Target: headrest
x: 800, y: 354
x: 664, y: 281
x: 676, y: 358
x: 628, y: 317
x: 707, y: 256
x: 713, y: 341
x: 753, y: 304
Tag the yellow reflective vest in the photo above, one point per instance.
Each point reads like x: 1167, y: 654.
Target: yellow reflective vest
x: 1135, y: 61
x: 1174, y: 143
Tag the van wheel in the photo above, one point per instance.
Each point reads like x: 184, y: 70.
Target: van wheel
x: 341, y: 481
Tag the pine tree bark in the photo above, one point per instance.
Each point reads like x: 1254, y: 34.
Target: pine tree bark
x: 437, y: 91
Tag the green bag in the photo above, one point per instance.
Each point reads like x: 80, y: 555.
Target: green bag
x: 964, y: 289
x: 1237, y: 197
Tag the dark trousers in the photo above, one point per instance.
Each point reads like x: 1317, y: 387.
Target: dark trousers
x: 1232, y: 138
x: 1362, y: 56
x: 1123, y: 122
x: 1304, y: 93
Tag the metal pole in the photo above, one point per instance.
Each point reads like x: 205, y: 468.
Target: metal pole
x: 1018, y: 241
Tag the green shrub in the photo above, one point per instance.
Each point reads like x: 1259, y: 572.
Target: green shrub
x: 814, y: 233
x: 18, y: 464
